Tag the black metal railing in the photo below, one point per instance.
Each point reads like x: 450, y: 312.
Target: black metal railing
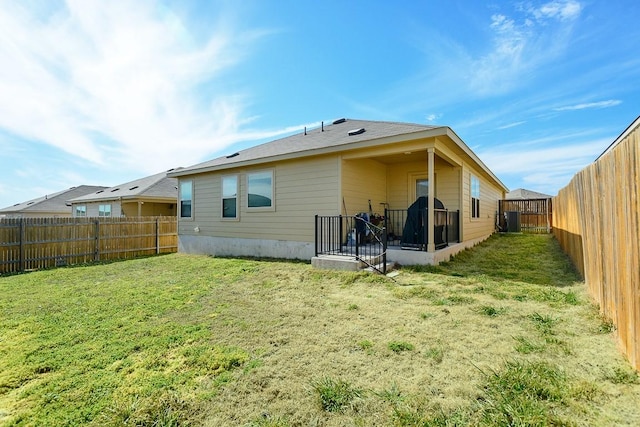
x: 453, y: 227
x: 353, y: 236
x: 408, y: 229
x: 357, y: 236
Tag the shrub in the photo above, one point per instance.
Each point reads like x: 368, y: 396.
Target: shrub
x: 400, y: 346
x: 336, y: 395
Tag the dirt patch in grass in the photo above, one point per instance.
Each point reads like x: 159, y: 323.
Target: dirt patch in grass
x: 268, y: 343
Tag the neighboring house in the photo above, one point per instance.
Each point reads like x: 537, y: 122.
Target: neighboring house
x: 49, y: 206
x: 262, y: 201
x: 155, y: 195
x: 522, y: 194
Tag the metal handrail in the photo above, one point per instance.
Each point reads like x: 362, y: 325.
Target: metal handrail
x: 351, y: 235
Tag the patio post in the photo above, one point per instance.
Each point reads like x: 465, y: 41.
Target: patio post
x: 431, y: 247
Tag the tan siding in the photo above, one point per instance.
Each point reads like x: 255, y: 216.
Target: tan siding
x: 318, y: 185
x: 302, y: 189
x: 489, y: 195
x: 448, y: 187
x: 93, y: 208
x: 149, y: 209
x: 397, y: 196
x: 399, y: 183
x: 364, y: 180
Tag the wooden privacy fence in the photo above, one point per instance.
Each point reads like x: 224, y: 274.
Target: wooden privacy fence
x: 596, y: 222
x: 535, y: 214
x: 34, y: 243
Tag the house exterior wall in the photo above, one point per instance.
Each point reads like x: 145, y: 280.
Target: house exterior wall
x: 363, y: 180
x: 399, y: 184
x: 93, y: 208
x: 401, y: 179
x: 448, y: 188
x: 475, y: 228
x: 331, y: 184
x: 127, y: 208
x: 302, y: 189
x: 149, y: 209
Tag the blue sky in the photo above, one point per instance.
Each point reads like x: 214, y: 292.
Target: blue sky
x: 104, y: 92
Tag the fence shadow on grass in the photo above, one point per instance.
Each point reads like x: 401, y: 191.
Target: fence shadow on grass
x: 529, y: 258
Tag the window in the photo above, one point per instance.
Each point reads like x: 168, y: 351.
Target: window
x: 104, y: 210
x: 230, y: 197
x: 475, y: 197
x: 260, y: 190
x: 418, y: 185
x: 186, y: 197
x: 422, y: 188
x: 81, y: 210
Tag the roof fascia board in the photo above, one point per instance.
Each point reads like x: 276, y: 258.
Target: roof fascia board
x: 416, y: 145
x: 150, y: 199
x: 451, y: 134
x: 443, y: 151
x: 106, y: 199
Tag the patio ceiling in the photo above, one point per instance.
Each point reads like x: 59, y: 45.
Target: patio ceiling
x: 411, y: 157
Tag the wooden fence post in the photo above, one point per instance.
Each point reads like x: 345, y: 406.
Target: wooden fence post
x: 22, y: 233
x: 96, y: 251
x: 157, y: 235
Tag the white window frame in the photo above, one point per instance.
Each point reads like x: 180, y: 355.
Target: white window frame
x: 183, y: 184
x: 272, y: 190
x: 224, y: 197
x: 414, y: 177
x: 474, y: 189
x: 104, y: 210
x: 80, y: 210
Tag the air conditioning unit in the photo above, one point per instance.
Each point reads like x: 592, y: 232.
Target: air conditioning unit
x: 513, y: 221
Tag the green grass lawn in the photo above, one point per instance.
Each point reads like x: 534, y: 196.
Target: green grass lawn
x: 504, y: 334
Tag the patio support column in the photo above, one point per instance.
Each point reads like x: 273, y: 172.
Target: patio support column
x: 431, y: 247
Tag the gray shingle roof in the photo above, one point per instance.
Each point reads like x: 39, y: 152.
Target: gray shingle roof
x: 332, y: 138
x: 55, y: 202
x: 154, y: 186
x: 521, y: 194
x: 334, y: 135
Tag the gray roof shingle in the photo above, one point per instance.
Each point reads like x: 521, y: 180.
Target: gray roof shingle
x: 522, y: 194
x: 155, y: 186
x: 334, y: 135
x: 55, y: 202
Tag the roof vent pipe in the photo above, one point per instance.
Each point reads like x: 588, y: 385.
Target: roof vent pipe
x: 305, y: 130
x: 322, y: 126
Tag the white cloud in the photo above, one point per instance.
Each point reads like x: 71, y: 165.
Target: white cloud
x: 119, y: 82
x: 583, y: 106
x: 511, y: 125
x: 521, y: 45
x: 433, y: 117
x: 563, y: 10
x: 544, y: 168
